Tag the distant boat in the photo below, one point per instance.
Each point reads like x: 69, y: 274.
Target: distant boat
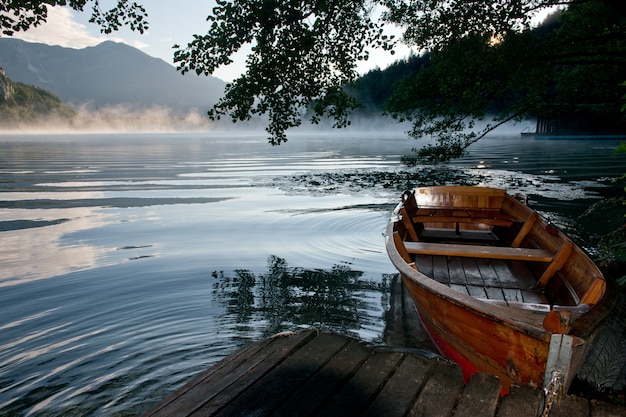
x: 498, y: 288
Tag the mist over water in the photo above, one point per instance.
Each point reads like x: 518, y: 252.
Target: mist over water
x: 118, y: 119
x: 131, y: 262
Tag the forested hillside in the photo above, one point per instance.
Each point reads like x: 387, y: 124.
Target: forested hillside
x: 22, y: 104
x: 568, y: 73
x: 376, y: 86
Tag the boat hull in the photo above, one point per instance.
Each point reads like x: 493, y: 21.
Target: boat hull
x: 514, y: 344
x: 478, y: 341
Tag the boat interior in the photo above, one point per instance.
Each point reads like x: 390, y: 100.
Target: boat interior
x: 511, y: 259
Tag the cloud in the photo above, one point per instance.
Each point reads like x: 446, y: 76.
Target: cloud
x: 62, y: 29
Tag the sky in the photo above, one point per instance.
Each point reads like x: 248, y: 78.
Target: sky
x: 170, y: 23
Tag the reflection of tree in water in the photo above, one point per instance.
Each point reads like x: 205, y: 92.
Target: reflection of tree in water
x: 285, y: 298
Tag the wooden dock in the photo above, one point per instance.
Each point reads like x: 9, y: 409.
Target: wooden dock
x: 311, y: 373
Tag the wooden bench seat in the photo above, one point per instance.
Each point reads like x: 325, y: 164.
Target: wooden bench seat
x: 476, y: 251
x: 461, y: 215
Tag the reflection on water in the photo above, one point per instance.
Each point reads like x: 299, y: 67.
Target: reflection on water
x: 283, y: 298
x: 32, y: 247
x: 132, y: 262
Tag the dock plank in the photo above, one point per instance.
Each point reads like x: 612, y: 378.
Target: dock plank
x: 274, y: 388
x: 362, y: 388
x: 195, y: 392
x: 214, y: 392
x: 603, y: 409
x: 309, y: 373
x: 440, y: 393
x: 246, y: 376
x: 521, y: 401
x: 570, y: 406
x: 318, y: 389
x: 480, y: 397
x: 399, y: 393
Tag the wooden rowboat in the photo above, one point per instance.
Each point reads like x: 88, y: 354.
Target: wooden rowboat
x: 498, y: 288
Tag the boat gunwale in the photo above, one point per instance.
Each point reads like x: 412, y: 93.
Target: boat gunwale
x: 528, y: 321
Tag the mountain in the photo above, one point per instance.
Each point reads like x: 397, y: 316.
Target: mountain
x: 106, y: 75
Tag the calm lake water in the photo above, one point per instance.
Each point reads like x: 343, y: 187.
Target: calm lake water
x: 131, y: 262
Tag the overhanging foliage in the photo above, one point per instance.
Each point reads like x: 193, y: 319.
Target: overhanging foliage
x: 21, y: 15
x: 302, y: 54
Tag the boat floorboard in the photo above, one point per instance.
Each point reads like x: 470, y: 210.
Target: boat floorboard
x: 309, y: 373
x: 492, y: 279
